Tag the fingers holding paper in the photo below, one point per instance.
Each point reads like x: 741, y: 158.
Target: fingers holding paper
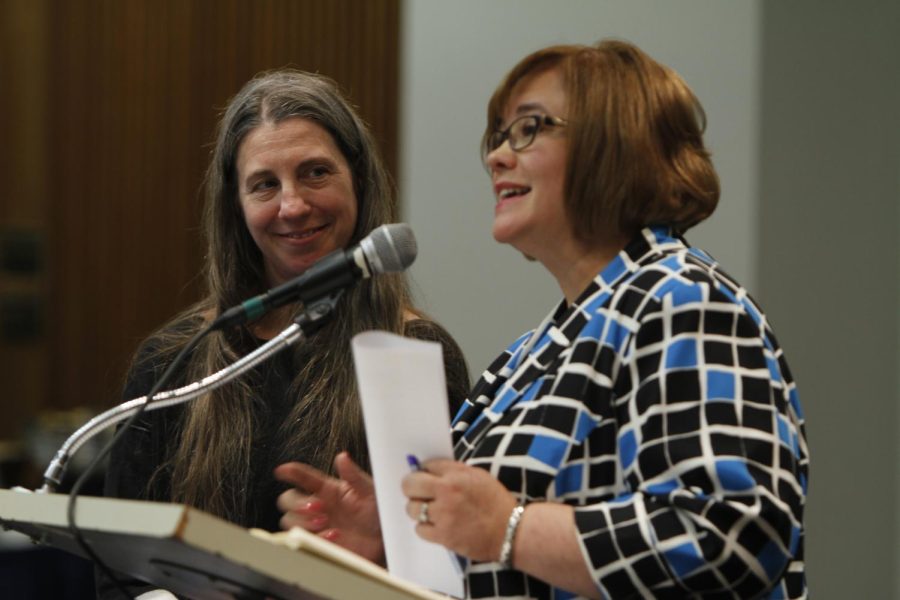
x: 465, y: 508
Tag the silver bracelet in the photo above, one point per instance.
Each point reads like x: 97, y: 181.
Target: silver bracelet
x: 506, y: 550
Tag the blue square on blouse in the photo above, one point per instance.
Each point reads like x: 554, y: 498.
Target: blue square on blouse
x: 795, y: 402
x: 616, y: 335
x: 719, y: 385
x: 734, y: 475
x: 593, y: 329
x: 548, y: 450
x: 673, y: 263
x: 787, y: 436
x: 774, y: 369
x: 684, y: 559
x: 795, y: 540
x: 681, y: 354
x: 585, y: 425
x: 772, y: 559
x: 627, y: 448
x: 569, y: 479
x: 613, y: 270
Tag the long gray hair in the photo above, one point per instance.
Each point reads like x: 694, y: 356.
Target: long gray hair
x: 210, y: 468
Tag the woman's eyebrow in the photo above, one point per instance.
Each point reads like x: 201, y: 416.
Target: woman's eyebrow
x: 529, y: 107
x: 256, y: 174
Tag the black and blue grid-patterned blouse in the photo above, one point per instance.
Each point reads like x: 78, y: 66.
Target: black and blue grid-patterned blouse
x: 661, y: 407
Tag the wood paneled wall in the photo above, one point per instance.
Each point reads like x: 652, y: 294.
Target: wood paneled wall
x: 24, y: 360
x: 122, y: 97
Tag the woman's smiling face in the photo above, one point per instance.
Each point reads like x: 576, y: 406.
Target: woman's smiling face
x: 296, y: 192
x: 529, y: 183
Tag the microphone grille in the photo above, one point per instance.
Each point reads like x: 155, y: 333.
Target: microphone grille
x: 391, y: 248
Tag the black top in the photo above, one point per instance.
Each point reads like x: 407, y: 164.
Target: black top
x: 147, y: 445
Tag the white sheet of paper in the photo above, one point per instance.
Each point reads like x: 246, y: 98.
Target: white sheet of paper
x: 404, y: 403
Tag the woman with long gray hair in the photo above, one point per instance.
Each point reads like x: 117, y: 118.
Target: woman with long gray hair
x: 294, y: 175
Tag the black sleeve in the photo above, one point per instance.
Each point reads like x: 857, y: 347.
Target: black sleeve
x: 135, y: 459
x: 141, y: 450
x: 455, y: 370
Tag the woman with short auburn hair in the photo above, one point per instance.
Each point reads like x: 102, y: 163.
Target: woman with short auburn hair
x: 645, y: 440
x: 631, y: 163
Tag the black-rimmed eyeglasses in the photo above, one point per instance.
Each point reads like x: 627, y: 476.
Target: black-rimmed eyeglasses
x: 521, y: 132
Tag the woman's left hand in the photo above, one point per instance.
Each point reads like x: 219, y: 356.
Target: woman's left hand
x: 340, y: 510
x: 467, y: 507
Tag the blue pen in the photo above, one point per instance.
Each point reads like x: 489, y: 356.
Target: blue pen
x: 456, y: 559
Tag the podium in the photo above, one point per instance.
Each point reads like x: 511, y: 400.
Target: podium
x: 197, y: 555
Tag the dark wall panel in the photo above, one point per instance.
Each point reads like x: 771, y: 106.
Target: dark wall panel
x: 130, y: 92
x: 24, y: 183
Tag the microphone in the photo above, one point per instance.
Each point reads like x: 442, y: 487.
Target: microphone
x: 388, y: 249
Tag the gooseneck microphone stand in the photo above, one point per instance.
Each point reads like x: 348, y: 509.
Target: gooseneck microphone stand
x: 314, y: 315
x: 311, y: 319
x: 387, y: 249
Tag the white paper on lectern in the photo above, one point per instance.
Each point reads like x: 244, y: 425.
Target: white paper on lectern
x: 404, y: 401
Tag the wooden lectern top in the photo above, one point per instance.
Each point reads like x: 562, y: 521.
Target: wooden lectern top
x: 194, y: 554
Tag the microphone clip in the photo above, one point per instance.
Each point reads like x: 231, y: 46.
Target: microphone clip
x: 316, y: 314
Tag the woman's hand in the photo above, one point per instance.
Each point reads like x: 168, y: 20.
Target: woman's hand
x: 468, y: 511
x: 340, y: 510
x: 467, y: 507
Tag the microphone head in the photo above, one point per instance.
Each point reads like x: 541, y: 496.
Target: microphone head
x: 390, y: 248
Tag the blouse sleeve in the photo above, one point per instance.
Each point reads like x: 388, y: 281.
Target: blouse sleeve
x: 711, y: 449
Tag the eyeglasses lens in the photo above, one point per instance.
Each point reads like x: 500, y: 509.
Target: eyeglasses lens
x: 520, y: 134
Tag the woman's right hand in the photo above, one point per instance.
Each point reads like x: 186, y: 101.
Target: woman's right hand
x: 341, y: 509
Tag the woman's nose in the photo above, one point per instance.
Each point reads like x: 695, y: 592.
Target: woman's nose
x: 501, y: 158
x: 293, y: 203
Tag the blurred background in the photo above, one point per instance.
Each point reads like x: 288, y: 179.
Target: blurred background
x: 107, y: 110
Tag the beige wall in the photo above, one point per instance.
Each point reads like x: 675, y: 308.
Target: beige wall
x: 802, y: 103
x: 454, y: 54
x: 829, y: 264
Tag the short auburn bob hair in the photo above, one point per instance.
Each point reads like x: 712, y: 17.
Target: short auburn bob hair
x: 634, y: 139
